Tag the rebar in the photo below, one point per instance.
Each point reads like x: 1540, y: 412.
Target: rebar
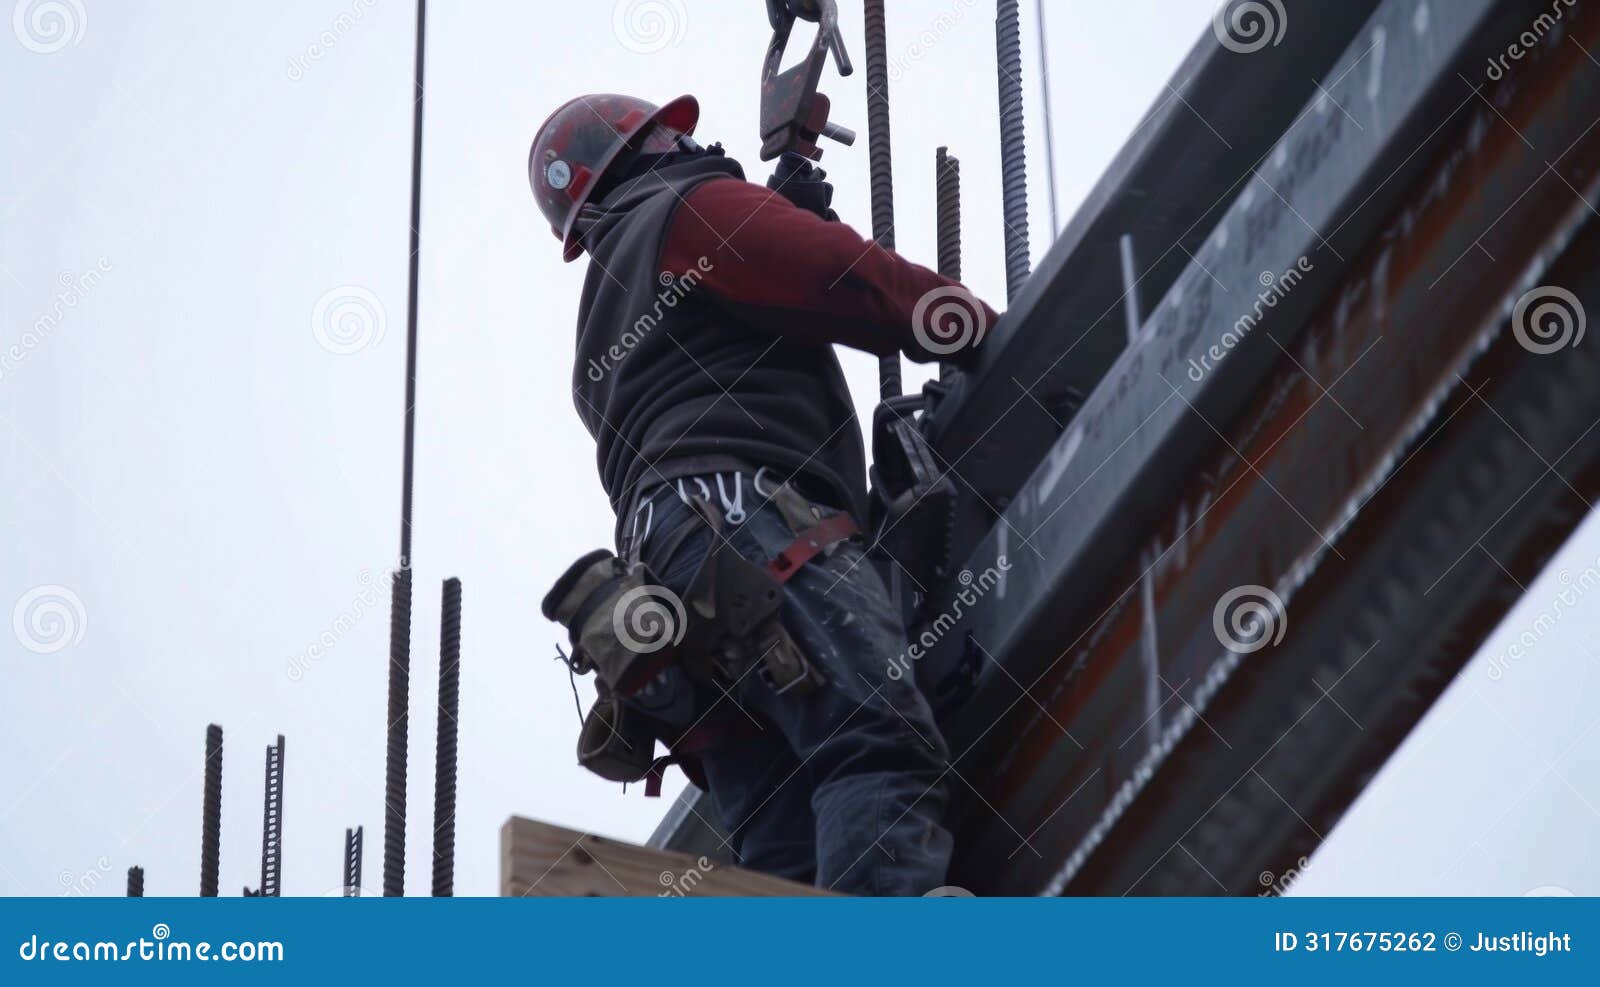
x: 1013, y: 146
x: 394, y: 794
x: 394, y: 817
x: 444, y: 763
x: 352, y: 862
x: 272, y: 824
x: 211, y: 814
x: 881, y: 164
x: 135, y: 882
x: 947, y: 222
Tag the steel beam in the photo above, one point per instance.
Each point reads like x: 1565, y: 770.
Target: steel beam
x: 1315, y: 201
x: 1404, y: 427
x: 1219, y: 114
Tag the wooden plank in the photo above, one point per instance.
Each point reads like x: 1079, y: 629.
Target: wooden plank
x: 542, y: 860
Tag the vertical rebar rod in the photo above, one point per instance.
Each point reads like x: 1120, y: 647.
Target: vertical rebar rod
x: 272, y: 824
x: 1049, y: 128
x: 211, y: 814
x: 1013, y: 146
x: 394, y: 817
x: 135, y: 882
x: 352, y: 862
x: 881, y: 163
x: 444, y: 764
x: 947, y: 222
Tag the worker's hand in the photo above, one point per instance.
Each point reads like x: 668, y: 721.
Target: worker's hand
x: 802, y: 183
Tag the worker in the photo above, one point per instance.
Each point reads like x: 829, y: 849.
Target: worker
x: 723, y: 426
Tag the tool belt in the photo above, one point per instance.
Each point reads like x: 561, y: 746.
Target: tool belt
x: 627, y: 628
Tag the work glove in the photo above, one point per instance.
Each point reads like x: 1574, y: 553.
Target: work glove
x: 802, y: 183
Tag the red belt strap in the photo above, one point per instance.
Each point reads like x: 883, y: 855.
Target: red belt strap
x: 809, y: 543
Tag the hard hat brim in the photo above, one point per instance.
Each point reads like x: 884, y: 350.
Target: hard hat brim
x: 681, y: 114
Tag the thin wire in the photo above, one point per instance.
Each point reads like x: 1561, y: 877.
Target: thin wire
x: 1049, y: 132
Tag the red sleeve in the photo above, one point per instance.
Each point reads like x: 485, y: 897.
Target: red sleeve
x: 786, y: 271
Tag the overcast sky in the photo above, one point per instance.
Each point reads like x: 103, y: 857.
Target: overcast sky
x: 200, y: 459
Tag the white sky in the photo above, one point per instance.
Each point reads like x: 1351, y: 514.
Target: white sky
x: 212, y: 484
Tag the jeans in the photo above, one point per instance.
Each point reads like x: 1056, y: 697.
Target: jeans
x: 842, y: 787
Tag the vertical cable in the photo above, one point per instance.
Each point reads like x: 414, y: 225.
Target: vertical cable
x: 1013, y: 145
x: 444, y: 763
x: 394, y: 815
x: 211, y: 814
x: 881, y: 163
x: 135, y: 882
x: 1049, y: 129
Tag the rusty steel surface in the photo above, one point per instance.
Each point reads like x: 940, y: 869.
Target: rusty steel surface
x: 1304, y: 210
x: 1148, y: 736
x: 1180, y: 169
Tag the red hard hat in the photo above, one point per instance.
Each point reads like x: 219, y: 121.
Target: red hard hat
x: 583, y: 138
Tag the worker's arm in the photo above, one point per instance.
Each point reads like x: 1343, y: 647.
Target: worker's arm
x: 783, y: 270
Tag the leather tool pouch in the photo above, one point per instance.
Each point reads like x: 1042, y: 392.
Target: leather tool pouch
x: 616, y: 742
x: 622, y: 624
x: 626, y: 628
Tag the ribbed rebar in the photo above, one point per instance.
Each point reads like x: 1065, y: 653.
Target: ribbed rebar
x: 394, y: 790
x: 211, y: 814
x: 444, y: 762
x: 881, y: 163
x: 947, y: 219
x: 1013, y: 145
x: 352, y: 862
x: 394, y: 814
x: 272, y: 824
x: 135, y: 882
x: 947, y: 222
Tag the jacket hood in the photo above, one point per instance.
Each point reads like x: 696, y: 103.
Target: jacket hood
x: 599, y: 218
